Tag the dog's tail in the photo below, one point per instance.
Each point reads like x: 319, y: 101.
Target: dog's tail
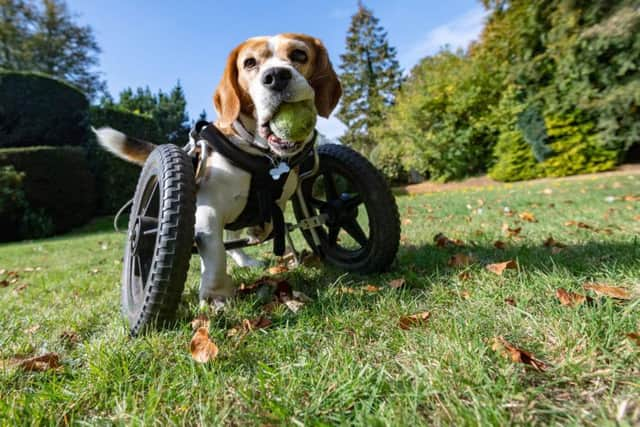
x: 126, y: 147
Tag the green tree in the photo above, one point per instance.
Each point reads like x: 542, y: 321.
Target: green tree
x: 45, y: 38
x: 168, y: 110
x: 370, y: 76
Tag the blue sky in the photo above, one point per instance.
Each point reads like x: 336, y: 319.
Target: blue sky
x: 157, y: 43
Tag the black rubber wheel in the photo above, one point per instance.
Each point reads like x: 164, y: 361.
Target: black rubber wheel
x: 160, y: 237
x: 362, y: 232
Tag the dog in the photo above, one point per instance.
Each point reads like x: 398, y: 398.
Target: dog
x: 260, y: 74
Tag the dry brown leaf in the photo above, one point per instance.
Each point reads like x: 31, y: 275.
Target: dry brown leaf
x: 461, y: 260
x: 637, y: 217
x: 70, y: 337
x: 631, y: 198
x: 45, y: 362
x: 510, y: 301
x: 635, y: 337
x: 203, y: 349
x: 500, y: 267
x: 579, y: 224
x: 569, y: 299
x: 528, y: 216
x: 464, y: 275
x: 419, y: 319
x: 278, y: 269
x: 294, y: 305
x: 202, y: 321
x: 499, y: 244
x: 4, y: 283
x: 465, y: 294
x: 371, y: 288
x: 32, y: 329
x: 406, y: 221
x: 511, y: 232
x: 21, y: 287
x: 397, y: 283
x: 347, y: 290
x: 443, y: 241
x: 517, y: 355
x: 608, y: 291
x: 552, y: 243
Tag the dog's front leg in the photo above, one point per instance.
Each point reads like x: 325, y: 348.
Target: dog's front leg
x: 215, y: 284
x: 239, y: 256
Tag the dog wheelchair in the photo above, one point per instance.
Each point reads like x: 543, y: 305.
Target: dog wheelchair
x: 342, y: 206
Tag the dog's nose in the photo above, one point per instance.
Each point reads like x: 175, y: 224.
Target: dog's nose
x: 276, y: 78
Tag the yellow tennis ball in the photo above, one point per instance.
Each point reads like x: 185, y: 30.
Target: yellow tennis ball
x: 294, y: 121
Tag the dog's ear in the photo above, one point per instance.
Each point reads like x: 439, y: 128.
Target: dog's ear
x: 324, y: 82
x: 227, y: 96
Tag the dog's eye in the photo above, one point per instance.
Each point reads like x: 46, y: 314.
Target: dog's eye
x: 298, y: 55
x: 249, y: 63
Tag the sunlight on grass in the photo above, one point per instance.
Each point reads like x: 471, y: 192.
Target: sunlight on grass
x: 342, y: 359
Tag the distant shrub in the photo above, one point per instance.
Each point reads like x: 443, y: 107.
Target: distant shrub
x: 38, y: 110
x: 116, y: 179
x: 52, y: 186
x: 515, y: 161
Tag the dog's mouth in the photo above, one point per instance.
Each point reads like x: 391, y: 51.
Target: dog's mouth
x: 278, y: 145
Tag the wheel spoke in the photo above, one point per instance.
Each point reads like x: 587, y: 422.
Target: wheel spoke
x: 353, y: 228
x: 152, y: 197
x: 333, y: 234
x: 318, y: 204
x: 330, y: 186
x: 353, y: 201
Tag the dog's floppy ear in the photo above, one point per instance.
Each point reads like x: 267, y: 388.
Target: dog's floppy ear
x: 325, y: 82
x: 227, y: 96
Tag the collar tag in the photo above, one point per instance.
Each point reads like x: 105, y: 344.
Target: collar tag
x: 279, y: 170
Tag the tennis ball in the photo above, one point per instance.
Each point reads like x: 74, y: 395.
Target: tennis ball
x: 294, y: 121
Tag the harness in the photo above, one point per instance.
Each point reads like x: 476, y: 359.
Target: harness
x: 267, y: 181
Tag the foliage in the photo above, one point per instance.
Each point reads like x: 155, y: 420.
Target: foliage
x: 168, y: 111
x: 57, y: 185
x: 437, y: 126
x: 46, y: 39
x: 370, y: 76
x: 116, y: 179
x: 39, y: 110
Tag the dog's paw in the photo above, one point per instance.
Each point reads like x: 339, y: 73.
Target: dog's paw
x: 243, y: 260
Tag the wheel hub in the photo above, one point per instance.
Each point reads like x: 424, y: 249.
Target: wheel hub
x: 143, y: 232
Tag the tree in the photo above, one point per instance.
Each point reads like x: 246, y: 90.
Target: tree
x: 370, y: 76
x: 46, y: 39
x: 168, y: 110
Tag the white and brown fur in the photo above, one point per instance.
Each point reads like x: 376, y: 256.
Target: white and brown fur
x: 243, y: 97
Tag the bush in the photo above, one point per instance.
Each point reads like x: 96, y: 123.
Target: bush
x: 116, y: 179
x: 516, y: 161
x: 56, y: 185
x: 38, y: 110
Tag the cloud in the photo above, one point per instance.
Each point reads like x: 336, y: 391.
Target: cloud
x: 457, y: 33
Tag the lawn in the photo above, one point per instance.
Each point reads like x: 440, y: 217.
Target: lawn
x: 342, y: 358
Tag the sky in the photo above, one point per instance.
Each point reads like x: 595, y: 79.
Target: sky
x: 158, y: 43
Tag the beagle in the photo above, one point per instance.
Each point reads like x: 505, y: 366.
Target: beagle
x: 260, y: 74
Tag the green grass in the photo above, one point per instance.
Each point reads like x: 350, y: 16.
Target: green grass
x: 342, y: 359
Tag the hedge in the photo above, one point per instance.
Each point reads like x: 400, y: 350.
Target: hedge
x: 116, y: 179
x: 57, y: 185
x: 37, y: 110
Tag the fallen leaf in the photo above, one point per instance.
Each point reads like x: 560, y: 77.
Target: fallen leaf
x: 608, y: 291
x: 510, y: 301
x: 397, y: 283
x: 569, y: 299
x: 500, y: 267
x: 552, y: 243
x: 278, y: 269
x: 95, y: 271
x: 464, y: 275
x: 45, y: 362
x: 547, y: 191
x: 371, y: 288
x: 631, y: 198
x: 294, y: 305
x: 635, y: 337
x: 517, y: 355
x: 579, y: 224
x: 465, y: 294
x: 499, y: 244
x: 406, y: 221
x: 443, y: 241
x: 70, y: 337
x: 347, y: 290
x: 202, y: 321
x: 528, y: 216
x: 2, y: 271
x: 202, y: 348
x: 637, y: 217
x: 511, y: 232
x: 20, y: 287
x: 250, y: 325
x: 419, y: 319
x: 461, y: 260
x: 4, y: 283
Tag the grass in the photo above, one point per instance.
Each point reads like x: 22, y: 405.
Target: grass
x: 342, y: 359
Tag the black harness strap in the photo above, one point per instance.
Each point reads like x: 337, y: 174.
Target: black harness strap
x: 261, y: 207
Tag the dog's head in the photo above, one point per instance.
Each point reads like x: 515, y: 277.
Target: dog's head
x: 263, y: 72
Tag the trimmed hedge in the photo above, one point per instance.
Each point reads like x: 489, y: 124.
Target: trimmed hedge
x: 57, y: 185
x: 37, y: 110
x: 116, y: 179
